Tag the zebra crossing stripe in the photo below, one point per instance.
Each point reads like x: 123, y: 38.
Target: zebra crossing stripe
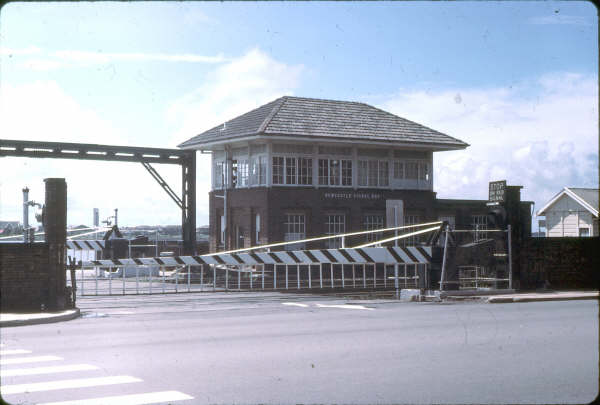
x: 46, y: 370
x: 387, y: 255
x: 64, y: 384
x: 22, y: 360
x: 131, y: 399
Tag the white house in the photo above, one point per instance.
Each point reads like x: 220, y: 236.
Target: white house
x: 572, y: 212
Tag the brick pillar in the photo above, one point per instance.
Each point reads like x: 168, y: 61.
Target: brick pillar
x: 55, y: 227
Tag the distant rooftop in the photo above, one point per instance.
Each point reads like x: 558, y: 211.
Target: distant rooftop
x: 309, y: 118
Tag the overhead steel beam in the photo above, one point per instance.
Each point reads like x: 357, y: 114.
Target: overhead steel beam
x: 84, y: 151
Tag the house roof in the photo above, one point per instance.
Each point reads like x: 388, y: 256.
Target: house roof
x: 311, y: 118
x: 586, y: 197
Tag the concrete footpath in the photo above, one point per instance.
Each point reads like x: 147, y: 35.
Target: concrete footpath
x: 543, y: 296
x: 22, y: 319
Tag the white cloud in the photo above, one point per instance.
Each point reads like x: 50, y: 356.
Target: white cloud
x: 42, y: 111
x: 232, y: 89
x: 542, y: 135
x: 48, y: 60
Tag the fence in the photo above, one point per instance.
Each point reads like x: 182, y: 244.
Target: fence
x: 376, y: 268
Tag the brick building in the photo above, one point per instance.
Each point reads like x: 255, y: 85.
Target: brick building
x: 297, y: 168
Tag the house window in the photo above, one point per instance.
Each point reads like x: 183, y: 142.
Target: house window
x: 242, y: 173
x: 278, y: 169
x: 304, y: 171
x: 258, y: 169
x: 584, y: 232
x: 479, y: 222
x: 423, y: 171
x: 218, y: 175
x: 290, y: 170
x: 295, y: 229
x: 297, y: 170
x: 398, y: 170
x: 373, y: 173
x: 372, y: 222
x: 346, y: 172
x: 335, y: 225
x: 412, y: 170
x: 333, y: 172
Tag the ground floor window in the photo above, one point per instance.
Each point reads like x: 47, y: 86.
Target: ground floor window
x: 335, y: 225
x: 295, y: 229
x: 372, y: 222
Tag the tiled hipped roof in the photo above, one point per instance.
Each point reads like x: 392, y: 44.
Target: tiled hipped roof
x: 325, y: 119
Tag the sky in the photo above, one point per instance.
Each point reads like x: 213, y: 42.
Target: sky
x: 518, y: 81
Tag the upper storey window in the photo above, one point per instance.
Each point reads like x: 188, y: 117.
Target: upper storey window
x: 335, y: 172
x: 292, y: 170
x: 373, y: 173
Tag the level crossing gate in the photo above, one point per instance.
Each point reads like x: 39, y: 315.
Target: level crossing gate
x: 345, y: 268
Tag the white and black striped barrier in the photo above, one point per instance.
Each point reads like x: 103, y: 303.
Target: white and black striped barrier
x: 385, y: 255
x: 86, y: 244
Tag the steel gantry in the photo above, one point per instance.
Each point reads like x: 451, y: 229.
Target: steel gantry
x: 146, y: 156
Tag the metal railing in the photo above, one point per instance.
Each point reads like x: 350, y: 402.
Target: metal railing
x: 132, y: 280
x: 479, y: 277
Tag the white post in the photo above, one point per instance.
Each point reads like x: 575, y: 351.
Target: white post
x: 321, y: 274
x: 298, y: 275
x: 214, y: 277
x: 263, y: 275
x: 286, y: 276
x: 343, y: 282
x: 274, y: 276
x: 396, y: 279
x: 331, y: 273
x: 443, y: 275
x: 509, y: 230
x: 375, y: 275
x: 137, y: 279
x: 364, y: 275
x: 353, y: 277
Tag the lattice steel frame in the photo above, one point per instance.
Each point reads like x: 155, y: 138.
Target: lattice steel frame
x: 82, y: 151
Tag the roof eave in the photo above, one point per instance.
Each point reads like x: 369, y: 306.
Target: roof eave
x: 435, y: 147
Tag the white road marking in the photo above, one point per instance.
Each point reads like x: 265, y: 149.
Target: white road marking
x: 63, y: 384
x: 15, y: 351
x: 46, y: 370
x: 134, y: 399
x: 296, y: 304
x: 21, y: 360
x: 345, y: 306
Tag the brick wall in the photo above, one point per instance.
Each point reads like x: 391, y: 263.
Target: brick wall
x: 23, y: 276
x: 566, y: 263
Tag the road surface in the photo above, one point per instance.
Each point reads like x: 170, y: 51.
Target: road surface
x: 278, y: 348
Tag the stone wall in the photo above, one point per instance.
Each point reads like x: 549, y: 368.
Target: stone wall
x: 24, y: 276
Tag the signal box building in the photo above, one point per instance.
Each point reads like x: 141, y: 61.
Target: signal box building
x: 297, y: 168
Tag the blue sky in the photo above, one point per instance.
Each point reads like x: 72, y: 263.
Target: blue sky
x: 516, y: 80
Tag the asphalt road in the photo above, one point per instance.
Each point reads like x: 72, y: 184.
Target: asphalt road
x: 277, y: 348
